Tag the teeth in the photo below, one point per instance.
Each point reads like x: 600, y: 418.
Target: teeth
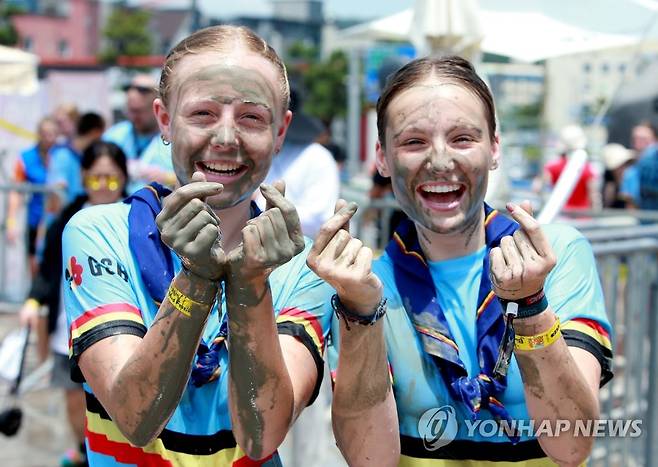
x: 222, y: 166
x: 440, y: 188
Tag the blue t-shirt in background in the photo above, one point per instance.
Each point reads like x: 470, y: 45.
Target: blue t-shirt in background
x: 64, y: 169
x: 640, y: 181
x: 34, y: 171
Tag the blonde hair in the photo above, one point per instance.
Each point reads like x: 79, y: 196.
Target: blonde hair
x: 222, y: 39
x: 70, y: 110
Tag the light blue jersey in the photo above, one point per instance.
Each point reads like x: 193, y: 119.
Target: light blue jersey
x: 573, y: 292
x: 64, y: 170
x: 104, y: 295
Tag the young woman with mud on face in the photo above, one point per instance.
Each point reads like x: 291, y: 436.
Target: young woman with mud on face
x: 200, y: 334
x: 448, y: 279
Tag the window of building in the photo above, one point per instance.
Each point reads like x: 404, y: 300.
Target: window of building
x: 587, y: 67
x: 28, y: 44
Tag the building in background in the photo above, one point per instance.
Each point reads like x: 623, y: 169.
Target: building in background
x: 291, y: 21
x: 61, y: 31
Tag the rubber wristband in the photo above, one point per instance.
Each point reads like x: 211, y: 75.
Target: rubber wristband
x: 351, y: 317
x: 182, y: 302
x: 528, y: 306
x: 538, y: 341
x: 33, y: 301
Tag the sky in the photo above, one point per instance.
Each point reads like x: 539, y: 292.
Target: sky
x: 611, y: 16
x: 332, y: 8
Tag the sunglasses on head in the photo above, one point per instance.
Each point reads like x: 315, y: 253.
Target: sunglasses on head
x: 139, y: 89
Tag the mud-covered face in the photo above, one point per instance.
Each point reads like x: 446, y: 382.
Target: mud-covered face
x: 438, y: 152
x: 225, y: 119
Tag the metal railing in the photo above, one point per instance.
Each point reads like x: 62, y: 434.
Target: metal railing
x: 14, y: 271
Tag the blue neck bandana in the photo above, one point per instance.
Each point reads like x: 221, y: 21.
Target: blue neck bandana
x: 419, y: 297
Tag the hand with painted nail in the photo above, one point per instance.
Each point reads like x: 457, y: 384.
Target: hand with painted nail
x: 519, y: 266
x: 343, y: 262
x: 190, y: 227
x: 271, y: 239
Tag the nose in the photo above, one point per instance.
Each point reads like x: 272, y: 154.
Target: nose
x: 224, y: 136
x: 440, y: 158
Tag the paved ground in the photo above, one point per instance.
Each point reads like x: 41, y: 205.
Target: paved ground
x: 43, y: 435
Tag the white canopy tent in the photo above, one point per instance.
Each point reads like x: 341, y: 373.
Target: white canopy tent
x: 523, y: 36
x: 18, y: 71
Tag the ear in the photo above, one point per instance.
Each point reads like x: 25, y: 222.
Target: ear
x: 380, y: 160
x: 163, y: 117
x: 281, y: 132
x: 495, y: 153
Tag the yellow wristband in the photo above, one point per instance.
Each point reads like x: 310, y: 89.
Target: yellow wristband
x: 182, y: 302
x: 10, y: 222
x: 539, y: 341
x: 33, y: 302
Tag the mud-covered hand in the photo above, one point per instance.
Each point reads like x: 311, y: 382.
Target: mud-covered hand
x: 191, y: 228
x: 520, y: 264
x: 269, y: 240
x: 345, y: 263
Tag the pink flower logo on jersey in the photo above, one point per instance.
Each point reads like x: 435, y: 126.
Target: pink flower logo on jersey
x: 74, y: 271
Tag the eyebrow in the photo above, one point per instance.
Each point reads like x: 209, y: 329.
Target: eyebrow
x: 230, y: 100
x: 410, y: 128
x: 467, y: 126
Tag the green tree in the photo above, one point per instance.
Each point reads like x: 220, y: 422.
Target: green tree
x: 126, y: 33
x: 325, y: 95
x: 8, y: 33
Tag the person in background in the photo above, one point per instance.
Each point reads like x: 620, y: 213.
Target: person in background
x: 66, y: 116
x: 308, y: 170
x: 31, y: 167
x: 643, y: 135
x: 337, y: 151
x: 64, y: 171
x: 149, y: 159
x: 104, y: 175
x: 469, y: 314
x: 585, y: 194
x: 639, y: 186
x: 617, y: 159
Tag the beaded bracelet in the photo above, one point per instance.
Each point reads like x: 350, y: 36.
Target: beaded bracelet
x: 351, y: 317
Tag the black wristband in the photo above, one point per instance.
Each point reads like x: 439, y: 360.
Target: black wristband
x: 528, y: 306
x: 351, y: 317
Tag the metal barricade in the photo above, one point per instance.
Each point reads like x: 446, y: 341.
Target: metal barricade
x: 14, y: 270
x: 627, y: 264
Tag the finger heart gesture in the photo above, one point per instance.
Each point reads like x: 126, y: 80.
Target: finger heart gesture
x: 519, y: 266
x: 271, y: 239
x: 345, y: 263
x: 190, y: 227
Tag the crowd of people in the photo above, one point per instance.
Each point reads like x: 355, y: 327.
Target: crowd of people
x: 628, y: 177
x: 190, y: 323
